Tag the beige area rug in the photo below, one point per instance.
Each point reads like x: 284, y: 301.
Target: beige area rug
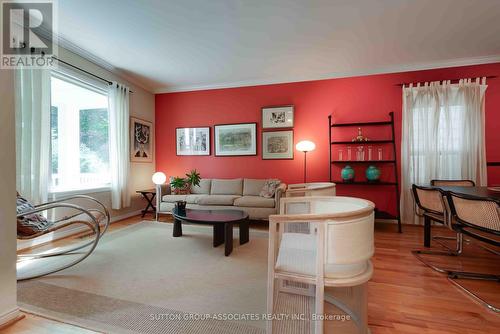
x: 142, y: 280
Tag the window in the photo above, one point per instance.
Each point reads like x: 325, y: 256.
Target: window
x: 447, y: 141
x: 79, y: 125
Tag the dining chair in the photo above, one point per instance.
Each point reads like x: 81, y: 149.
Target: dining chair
x: 432, y: 206
x: 319, y: 250
x: 453, y: 183
x: 478, y: 218
x: 450, y: 183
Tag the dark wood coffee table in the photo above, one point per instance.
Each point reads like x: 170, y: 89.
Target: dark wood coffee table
x: 222, y: 221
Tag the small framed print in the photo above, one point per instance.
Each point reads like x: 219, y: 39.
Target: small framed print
x: 192, y: 141
x: 277, y: 145
x: 277, y: 117
x: 141, y: 140
x: 235, y: 139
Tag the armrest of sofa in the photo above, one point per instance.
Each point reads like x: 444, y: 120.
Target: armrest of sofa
x: 277, y: 196
x: 161, y: 190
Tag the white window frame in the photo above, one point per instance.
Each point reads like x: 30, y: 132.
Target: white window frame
x: 83, y: 80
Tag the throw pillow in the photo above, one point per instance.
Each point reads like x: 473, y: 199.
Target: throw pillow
x: 32, y: 223
x: 269, y: 188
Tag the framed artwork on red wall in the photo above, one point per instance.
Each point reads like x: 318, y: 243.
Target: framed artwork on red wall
x: 235, y: 139
x: 275, y: 117
x: 277, y: 145
x: 192, y: 141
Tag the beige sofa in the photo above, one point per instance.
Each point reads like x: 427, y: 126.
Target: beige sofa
x: 241, y: 194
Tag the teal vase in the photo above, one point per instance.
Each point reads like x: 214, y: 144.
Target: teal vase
x: 347, y: 174
x: 372, y: 173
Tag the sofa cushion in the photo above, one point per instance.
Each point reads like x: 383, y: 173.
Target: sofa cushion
x: 252, y: 187
x: 192, y: 199
x: 254, y: 202
x: 227, y: 187
x: 173, y: 198
x: 203, y: 188
x: 217, y: 199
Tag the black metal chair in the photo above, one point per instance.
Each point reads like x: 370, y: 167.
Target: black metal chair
x: 478, y: 218
x: 431, y: 205
x: 90, y: 218
x: 450, y: 183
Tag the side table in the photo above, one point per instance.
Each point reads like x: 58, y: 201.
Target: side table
x: 149, y: 195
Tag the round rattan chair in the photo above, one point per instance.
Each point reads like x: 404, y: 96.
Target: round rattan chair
x: 310, y: 189
x: 320, y: 247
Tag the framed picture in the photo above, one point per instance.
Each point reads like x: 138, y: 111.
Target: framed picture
x: 141, y: 140
x: 193, y: 141
x: 277, y: 145
x: 235, y: 139
x: 277, y: 117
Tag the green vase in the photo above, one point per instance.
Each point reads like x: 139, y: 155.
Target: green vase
x: 347, y: 174
x: 372, y: 173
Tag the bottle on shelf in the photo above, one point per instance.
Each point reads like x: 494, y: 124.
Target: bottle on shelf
x: 370, y: 151
x: 380, y: 153
x: 349, y: 157
x: 360, y: 153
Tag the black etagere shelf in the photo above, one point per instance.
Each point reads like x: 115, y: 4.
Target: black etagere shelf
x: 378, y: 214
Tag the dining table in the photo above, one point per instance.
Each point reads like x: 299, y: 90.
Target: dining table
x: 492, y: 193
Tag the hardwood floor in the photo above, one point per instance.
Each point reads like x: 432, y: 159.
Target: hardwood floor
x: 405, y: 296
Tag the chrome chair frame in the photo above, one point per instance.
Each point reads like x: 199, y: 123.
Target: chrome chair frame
x: 467, y: 228
x: 93, y: 225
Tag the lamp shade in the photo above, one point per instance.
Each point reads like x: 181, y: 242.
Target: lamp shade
x: 159, y: 178
x: 305, y: 146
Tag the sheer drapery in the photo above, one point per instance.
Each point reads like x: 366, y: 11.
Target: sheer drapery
x: 118, y: 97
x: 442, y: 137
x: 32, y: 91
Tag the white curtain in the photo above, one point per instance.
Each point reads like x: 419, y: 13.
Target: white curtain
x: 32, y: 90
x: 443, y: 136
x: 118, y: 96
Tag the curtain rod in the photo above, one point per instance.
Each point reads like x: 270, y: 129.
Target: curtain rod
x: 452, y: 81
x: 84, y: 71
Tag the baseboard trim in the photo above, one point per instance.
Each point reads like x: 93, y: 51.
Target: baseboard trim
x: 54, y: 236
x: 10, y: 317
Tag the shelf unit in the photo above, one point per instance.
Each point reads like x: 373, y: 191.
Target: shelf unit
x: 378, y: 214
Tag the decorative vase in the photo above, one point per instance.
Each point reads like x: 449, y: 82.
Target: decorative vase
x: 181, y: 206
x: 347, y: 174
x: 372, y: 173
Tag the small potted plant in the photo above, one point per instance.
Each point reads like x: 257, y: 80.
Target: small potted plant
x: 179, y: 186
x: 193, y: 178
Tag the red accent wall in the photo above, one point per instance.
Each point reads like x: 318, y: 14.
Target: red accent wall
x: 366, y: 98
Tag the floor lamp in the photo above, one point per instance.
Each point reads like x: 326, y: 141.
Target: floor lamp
x: 305, y: 146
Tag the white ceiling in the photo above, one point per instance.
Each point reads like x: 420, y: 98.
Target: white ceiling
x: 176, y: 45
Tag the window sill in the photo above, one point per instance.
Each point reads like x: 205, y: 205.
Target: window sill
x: 66, y: 193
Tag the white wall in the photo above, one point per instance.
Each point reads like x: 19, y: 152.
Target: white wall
x: 8, y: 307
x: 142, y: 105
